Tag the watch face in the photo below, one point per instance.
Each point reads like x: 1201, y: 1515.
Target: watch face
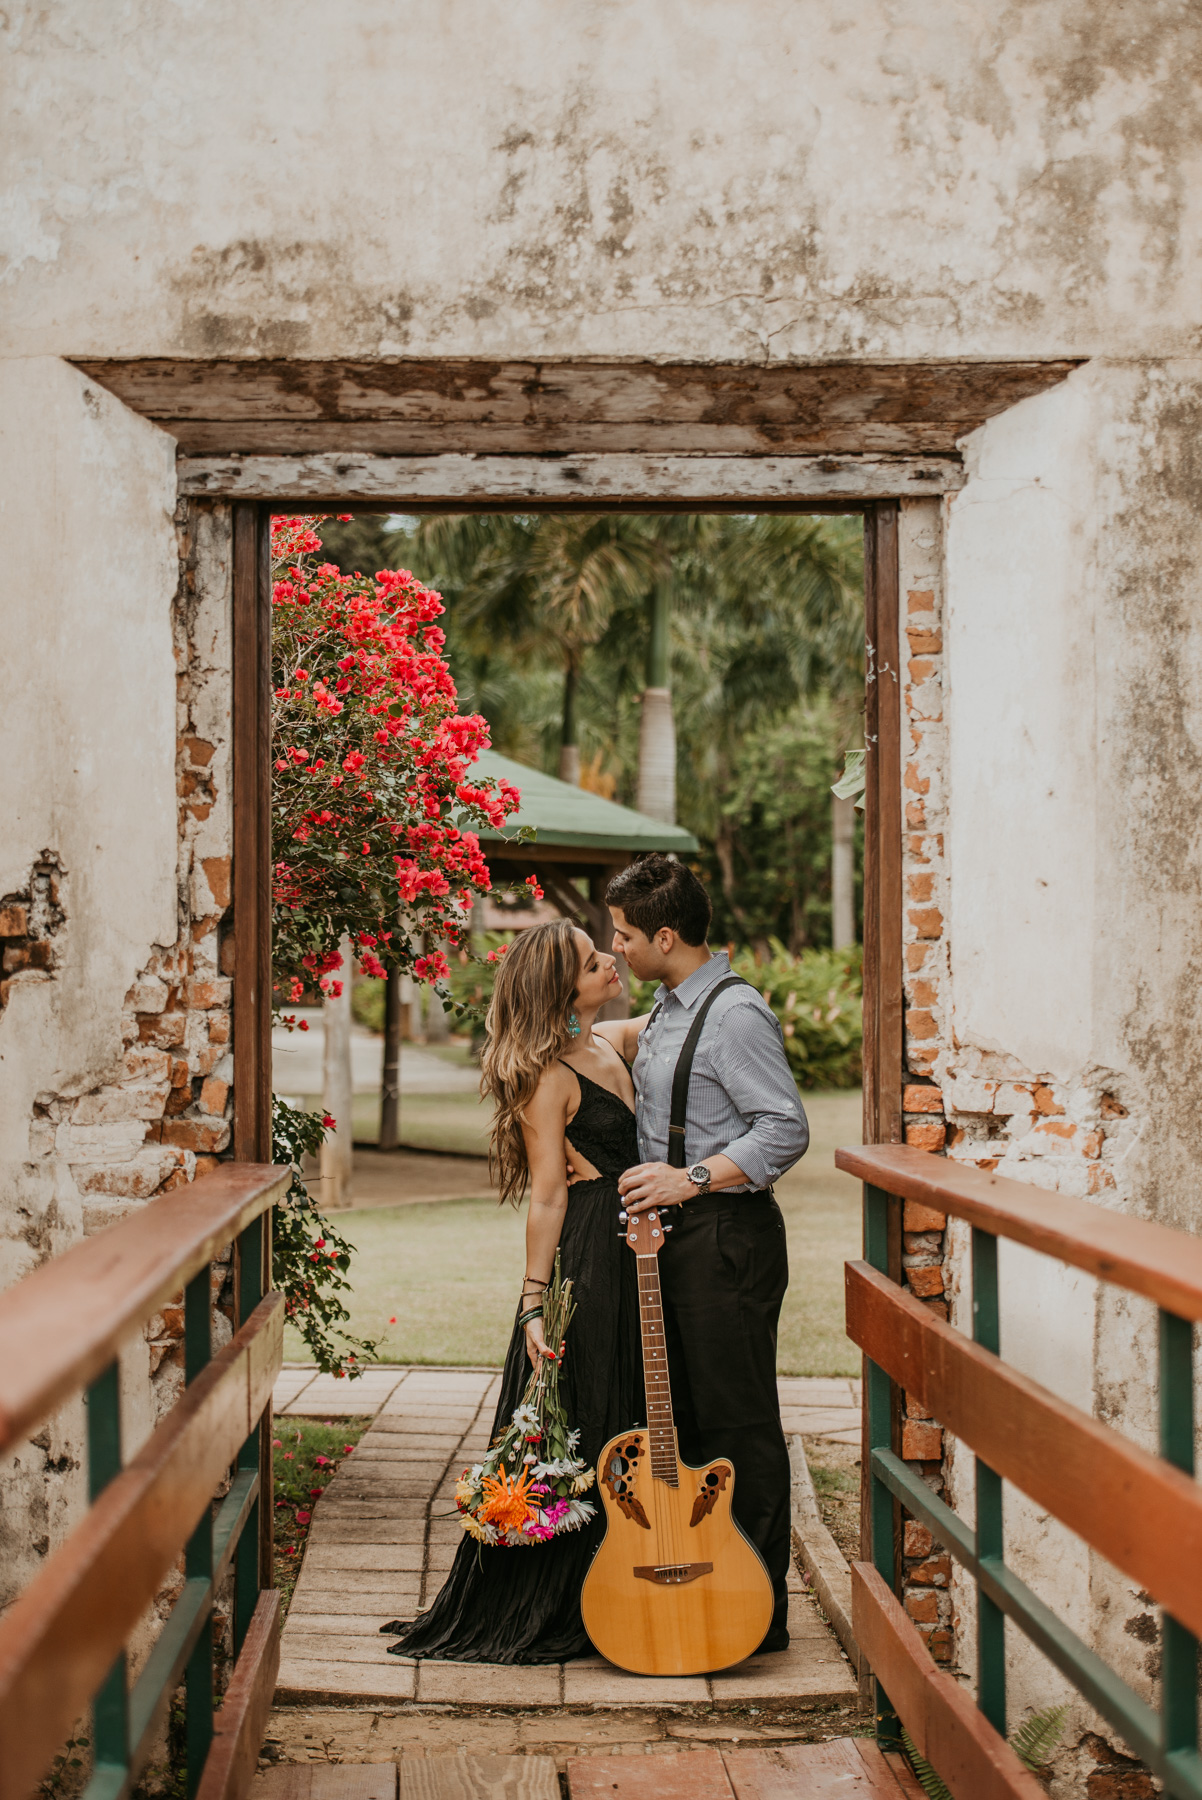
x: 699, y: 1175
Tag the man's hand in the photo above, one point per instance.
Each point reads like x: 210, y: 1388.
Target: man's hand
x: 654, y: 1184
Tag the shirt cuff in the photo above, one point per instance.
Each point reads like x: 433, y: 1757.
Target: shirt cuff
x: 749, y: 1156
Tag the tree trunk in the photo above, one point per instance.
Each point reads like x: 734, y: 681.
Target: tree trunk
x: 657, y: 728
x: 843, y: 873
x: 390, y: 1087
x: 437, y: 1024
x: 337, y: 1152
x: 569, y: 748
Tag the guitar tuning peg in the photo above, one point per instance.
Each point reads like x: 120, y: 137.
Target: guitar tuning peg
x: 622, y: 1217
x: 668, y: 1228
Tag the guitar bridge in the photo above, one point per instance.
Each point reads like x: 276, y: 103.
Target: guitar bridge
x: 672, y: 1574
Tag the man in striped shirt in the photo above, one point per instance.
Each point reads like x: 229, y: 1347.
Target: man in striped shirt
x: 724, y: 1269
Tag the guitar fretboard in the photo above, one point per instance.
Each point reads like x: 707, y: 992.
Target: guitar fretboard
x: 660, y: 1425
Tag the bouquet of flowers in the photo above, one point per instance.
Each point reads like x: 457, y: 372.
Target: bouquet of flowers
x: 527, y: 1490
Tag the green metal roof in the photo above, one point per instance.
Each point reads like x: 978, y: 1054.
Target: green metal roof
x: 571, y: 816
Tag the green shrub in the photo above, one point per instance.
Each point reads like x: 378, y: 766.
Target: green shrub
x: 817, y: 996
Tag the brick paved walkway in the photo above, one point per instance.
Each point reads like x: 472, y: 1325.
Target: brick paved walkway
x: 384, y: 1534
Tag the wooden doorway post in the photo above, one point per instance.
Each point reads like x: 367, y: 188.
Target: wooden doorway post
x: 251, y: 875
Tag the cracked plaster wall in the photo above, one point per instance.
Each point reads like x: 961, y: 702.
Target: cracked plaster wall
x: 561, y: 178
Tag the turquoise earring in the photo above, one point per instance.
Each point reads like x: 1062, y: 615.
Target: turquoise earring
x: 573, y: 1025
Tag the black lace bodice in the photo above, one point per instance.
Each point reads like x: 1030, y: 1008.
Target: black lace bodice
x: 603, y: 1129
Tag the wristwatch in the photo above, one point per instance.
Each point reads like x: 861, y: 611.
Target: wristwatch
x: 700, y: 1175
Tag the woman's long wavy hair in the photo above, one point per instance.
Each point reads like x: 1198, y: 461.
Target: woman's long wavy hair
x: 526, y: 1029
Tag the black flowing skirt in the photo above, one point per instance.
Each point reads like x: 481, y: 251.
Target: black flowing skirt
x: 522, y: 1605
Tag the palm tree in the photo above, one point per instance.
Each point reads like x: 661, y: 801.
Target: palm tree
x: 532, y: 580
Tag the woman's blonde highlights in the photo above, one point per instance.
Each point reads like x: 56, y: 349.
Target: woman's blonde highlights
x: 527, y: 1028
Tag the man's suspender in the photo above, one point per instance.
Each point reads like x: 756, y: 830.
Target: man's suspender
x: 684, y: 1069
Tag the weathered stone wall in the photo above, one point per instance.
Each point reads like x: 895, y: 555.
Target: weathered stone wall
x: 708, y: 183
x: 114, y: 1015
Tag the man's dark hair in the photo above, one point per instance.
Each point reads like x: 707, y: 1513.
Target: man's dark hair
x: 657, y: 893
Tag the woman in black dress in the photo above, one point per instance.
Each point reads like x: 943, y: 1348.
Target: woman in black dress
x: 564, y: 1100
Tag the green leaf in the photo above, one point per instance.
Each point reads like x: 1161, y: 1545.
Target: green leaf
x: 1035, y: 1739
x: 932, y: 1785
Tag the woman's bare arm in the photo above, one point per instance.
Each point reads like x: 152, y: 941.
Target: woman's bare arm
x: 543, y: 1129
x: 623, y: 1034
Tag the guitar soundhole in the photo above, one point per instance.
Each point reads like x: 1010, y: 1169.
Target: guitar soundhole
x: 711, y: 1486
x: 619, y: 1479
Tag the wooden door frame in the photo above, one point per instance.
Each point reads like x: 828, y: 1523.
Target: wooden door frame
x: 251, y: 876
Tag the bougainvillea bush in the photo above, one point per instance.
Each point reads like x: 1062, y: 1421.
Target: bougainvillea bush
x: 374, y: 822
x: 373, y: 809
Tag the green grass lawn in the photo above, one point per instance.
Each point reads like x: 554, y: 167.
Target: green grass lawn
x: 449, y: 1272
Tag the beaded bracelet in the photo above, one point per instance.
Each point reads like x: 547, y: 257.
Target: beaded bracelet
x: 536, y: 1312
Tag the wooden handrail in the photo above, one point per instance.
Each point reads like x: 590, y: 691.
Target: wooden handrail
x: 946, y: 1727
x: 1138, y: 1254
x: 64, y: 1323
x: 60, y: 1635
x: 1143, y: 1515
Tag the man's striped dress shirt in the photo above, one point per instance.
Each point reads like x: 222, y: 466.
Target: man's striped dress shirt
x: 743, y: 1102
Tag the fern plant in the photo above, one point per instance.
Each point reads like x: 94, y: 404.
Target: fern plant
x: 1032, y: 1742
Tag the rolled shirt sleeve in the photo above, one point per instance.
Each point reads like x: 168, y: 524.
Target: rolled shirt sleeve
x: 748, y: 1057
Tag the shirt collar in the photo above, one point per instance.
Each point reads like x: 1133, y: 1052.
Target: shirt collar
x: 690, y: 991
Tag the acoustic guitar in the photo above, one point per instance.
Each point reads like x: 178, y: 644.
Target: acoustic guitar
x: 675, y: 1588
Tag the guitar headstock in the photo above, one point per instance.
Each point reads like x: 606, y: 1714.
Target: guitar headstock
x: 644, y: 1231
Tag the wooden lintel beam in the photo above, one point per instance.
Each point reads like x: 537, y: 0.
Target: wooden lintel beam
x: 594, y: 480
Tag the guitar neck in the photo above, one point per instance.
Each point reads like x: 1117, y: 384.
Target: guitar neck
x: 661, y: 1429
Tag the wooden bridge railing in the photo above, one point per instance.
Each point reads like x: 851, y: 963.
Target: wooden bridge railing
x: 1142, y: 1512
x: 63, y: 1640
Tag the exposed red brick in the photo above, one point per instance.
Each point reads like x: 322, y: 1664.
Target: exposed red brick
x: 14, y: 921
x: 1111, y: 1108
x: 921, y: 1442
x: 940, y: 1645
x: 920, y: 600
x: 38, y: 955
x: 198, y: 751
x: 916, y: 815
x: 217, y: 874
x: 196, y: 1134
x: 213, y: 1095
x: 926, y: 1283
x: 926, y: 920
x: 914, y: 1407
x: 219, y: 1028
x: 938, y: 1307
x: 225, y: 958
x: 936, y: 1572
x: 918, y: 1539
x: 921, y: 1024
x: 165, y: 1029
x: 180, y: 1076
x: 1045, y: 1100
x: 919, y: 668
x: 923, y: 993
x: 920, y: 884
x: 1100, y: 1180
x: 178, y: 1178
x: 922, y: 1100
x: 205, y: 1165
x: 923, y: 1607
x: 916, y: 956
x: 1091, y: 1143
x: 204, y: 994
x: 924, y: 643
x: 926, y: 1134
x: 916, y: 782
x: 178, y: 1101
x: 917, y: 1217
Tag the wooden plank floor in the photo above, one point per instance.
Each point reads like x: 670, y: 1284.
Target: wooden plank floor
x: 841, y: 1769
x: 382, y: 1540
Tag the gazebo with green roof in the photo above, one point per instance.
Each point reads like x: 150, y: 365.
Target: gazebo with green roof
x: 579, y: 837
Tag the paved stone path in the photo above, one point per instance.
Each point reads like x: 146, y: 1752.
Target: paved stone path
x: 385, y: 1532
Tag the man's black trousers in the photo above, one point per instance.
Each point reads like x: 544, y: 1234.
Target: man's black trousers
x: 723, y: 1272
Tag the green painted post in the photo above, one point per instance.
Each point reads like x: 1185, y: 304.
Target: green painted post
x: 1179, y: 1686
x: 110, y: 1707
x: 253, y: 1454
x: 878, y: 1405
x: 991, y: 1622
x: 198, y: 1559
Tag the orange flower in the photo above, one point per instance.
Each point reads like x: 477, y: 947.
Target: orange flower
x: 505, y: 1503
